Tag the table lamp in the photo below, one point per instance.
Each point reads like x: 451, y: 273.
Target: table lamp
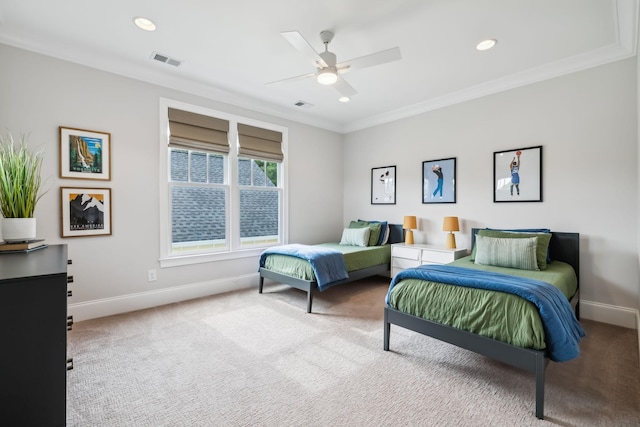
x: 451, y: 225
x: 409, y: 223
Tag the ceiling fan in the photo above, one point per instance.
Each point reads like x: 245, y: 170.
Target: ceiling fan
x: 328, y: 71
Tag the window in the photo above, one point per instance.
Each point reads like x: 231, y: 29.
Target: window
x: 259, y: 202
x: 260, y: 152
x: 198, y: 201
x: 223, y: 183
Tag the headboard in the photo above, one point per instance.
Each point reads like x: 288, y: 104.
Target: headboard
x: 563, y: 247
x: 396, y: 233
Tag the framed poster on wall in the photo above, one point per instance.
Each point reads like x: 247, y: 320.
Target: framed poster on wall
x: 85, y: 211
x: 85, y: 154
x: 383, y: 185
x: 517, y: 175
x: 439, y: 181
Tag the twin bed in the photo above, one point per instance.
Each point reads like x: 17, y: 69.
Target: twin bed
x: 500, y: 325
x: 514, y: 299
x: 297, y: 272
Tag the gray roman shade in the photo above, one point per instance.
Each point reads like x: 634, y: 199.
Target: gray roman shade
x: 258, y: 143
x: 198, y: 132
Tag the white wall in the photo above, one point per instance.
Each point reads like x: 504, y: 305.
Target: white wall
x: 586, y: 122
x: 38, y: 94
x: 638, y: 180
x: 587, y: 125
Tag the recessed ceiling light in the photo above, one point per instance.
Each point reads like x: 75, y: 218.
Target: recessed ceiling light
x: 144, y: 23
x: 486, y: 44
x: 344, y: 99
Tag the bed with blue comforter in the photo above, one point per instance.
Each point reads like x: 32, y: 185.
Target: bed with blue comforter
x: 504, y: 301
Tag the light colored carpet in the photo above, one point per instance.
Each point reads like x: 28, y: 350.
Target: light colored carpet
x: 244, y: 359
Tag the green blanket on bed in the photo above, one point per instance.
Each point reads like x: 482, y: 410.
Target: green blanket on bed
x: 496, y: 315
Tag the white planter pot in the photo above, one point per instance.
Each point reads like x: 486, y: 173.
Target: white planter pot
x: 18, y: 229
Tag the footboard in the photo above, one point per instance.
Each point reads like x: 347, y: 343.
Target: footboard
x: 304, y: 285
x: 524, y: 358
x: 310, y: 286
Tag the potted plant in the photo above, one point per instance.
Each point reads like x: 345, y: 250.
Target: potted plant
x: 19, y: 188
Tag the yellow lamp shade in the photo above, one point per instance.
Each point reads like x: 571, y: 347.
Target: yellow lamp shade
x: 450, y: 224
x: 410, y: 222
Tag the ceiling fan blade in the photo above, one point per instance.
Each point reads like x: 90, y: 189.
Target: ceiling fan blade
x: 300, y: 43
x: 344, y: 88
x: 377, y: 58
x: 292, y: 79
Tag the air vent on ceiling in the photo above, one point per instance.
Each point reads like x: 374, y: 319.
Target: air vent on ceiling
x: 303, y: 104
x: 166, y: 59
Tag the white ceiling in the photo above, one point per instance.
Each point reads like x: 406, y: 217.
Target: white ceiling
x: 230, y: 48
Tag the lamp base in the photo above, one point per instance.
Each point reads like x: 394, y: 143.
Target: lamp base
x: 451, y: 241
x: 408, y: 237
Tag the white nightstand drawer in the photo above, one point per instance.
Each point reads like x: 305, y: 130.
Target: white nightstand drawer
x: 410, y: 256
x: 437, y: 257
x: 404, y: 263
x: 405, y: 252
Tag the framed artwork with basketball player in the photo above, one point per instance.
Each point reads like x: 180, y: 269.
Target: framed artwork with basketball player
x: 517, y: 175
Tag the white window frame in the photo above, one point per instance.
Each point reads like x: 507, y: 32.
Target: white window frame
x: 235, y: 251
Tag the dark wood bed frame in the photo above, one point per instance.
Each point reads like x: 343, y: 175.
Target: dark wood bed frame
x: 309, y: 286
x: 563, y: 247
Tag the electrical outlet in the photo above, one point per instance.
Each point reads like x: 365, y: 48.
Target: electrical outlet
x: 151, y: 276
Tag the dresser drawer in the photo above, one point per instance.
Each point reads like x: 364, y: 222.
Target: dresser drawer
x: 436, y: 257
x: 405, y: 252
x: 404, y: 263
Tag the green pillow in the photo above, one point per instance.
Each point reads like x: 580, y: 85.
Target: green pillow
x: 512, y: 253
x: 375, y: 228
x: 541, y: 249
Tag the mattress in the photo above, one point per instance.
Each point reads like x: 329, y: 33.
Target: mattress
x: 355, y: 257
x: 497, y: 315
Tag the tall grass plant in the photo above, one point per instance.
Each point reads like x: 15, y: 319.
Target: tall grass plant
x: 20, y: 180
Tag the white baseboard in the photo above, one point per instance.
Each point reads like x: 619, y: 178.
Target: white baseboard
x: 126, y: 303
x: 611, y: 314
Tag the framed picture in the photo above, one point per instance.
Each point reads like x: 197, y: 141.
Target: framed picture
x: 85, y: 154
x: 383, y: 185
x: 439, y: 181
x: 517, y: 175
x: 85, y: 211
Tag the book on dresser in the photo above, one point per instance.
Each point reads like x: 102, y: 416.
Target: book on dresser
x: 28, y: 246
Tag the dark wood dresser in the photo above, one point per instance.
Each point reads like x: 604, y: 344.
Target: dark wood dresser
x: 33, y: 333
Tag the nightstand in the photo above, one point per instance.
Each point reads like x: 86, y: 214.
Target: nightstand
x: 407, y: 256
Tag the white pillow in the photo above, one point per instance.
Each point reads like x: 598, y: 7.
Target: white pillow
x: 512, y: 253
x: 355, y: 236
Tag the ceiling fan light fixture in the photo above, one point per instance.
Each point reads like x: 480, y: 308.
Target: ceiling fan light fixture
x: 486, y: 44
x: 144, y: 23
x: 327, y: 76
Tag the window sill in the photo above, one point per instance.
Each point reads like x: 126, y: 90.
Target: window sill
x: 177, y: 261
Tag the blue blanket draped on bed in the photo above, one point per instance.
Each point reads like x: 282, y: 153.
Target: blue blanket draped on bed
x: 328, y: 264
x: 562, y: 329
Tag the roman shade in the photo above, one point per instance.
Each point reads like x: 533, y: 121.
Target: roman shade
x: 198, y: 132
x: 258, y: 143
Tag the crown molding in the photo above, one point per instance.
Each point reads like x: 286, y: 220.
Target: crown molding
x: 626, y: 23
